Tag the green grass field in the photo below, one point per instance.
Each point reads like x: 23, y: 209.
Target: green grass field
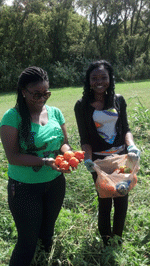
x: 77, y: 241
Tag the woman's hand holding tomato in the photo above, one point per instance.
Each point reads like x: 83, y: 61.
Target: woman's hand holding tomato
x: 69, y: 159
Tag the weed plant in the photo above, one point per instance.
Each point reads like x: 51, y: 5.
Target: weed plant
x: 76, y: 240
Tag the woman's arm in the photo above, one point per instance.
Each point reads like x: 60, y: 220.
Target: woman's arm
x: 123, y: 115
x: 88, y: 151
x: 80, y: 116
x: 83, y: 132
x: 131, y: 148
x: 9, y: 137
x: 129, y: 139
x: 88, y: 157
x: 65, y: 147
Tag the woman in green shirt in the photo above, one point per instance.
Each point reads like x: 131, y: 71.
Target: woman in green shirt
x: 33, y: 134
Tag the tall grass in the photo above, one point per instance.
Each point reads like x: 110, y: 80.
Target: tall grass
x: 77, y: 241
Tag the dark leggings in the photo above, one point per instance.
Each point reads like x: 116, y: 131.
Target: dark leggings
x: 35, y: 208
x: 120, y: 210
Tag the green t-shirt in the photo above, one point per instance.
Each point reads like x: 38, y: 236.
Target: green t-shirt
x: 46, y: 141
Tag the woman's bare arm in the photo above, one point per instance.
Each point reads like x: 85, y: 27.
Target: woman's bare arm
x: 9, y: 137
x: 88, y: 151
x: 65, y: 147
x: 129, y: 139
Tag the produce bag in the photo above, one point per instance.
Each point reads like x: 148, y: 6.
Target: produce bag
x: 111, y: 182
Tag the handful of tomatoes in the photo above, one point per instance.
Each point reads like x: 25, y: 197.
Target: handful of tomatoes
x: 69, y: 158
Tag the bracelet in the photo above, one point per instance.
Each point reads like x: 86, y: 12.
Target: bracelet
x: 44, y: 161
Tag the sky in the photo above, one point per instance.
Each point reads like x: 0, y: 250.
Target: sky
x: 8, y: 2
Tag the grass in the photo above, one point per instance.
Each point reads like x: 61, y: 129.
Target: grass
x: 77, y: 241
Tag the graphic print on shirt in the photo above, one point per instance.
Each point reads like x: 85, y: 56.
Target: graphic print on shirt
x: 33, y: 150
x: 98, y: 124
x: 105, y: 122
x: 48, y: 148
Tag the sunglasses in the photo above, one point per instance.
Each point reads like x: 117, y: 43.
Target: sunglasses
x: 38, y: 95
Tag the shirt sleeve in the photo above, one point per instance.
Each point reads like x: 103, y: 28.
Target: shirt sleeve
x: 59, y: 116
x: 11, y: 118
x: 81, y: 123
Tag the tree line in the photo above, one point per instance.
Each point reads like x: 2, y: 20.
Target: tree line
x: 57, y: 37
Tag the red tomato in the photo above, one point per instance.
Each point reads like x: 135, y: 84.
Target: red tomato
x: 59, y: 159
x: 73, y: 162
x: 64, y: 165
x: 121, y: 168
x: 116, y: 169
x: 79, y: 155
x: 111, y: 188
x: 68, y: 155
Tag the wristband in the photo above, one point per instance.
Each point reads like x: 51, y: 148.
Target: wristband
x: 44, y: 161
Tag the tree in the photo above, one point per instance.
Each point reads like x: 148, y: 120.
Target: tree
x: 136, y: 27
x: 2, y: 2
x: 104, y: 17
x: 111, y: 19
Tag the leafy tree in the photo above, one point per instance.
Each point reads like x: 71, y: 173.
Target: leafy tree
x: 123, y: 22
x: 35, y: 38
x: 76, y: 34
x: 1, y: 2
x: 136, y: 30
x: 30, y: 6
x: 53, y: 35
x: 104, y: 17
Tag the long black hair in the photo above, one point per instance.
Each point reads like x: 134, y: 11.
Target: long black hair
x: 88, y: 93
x: 29, y: 75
